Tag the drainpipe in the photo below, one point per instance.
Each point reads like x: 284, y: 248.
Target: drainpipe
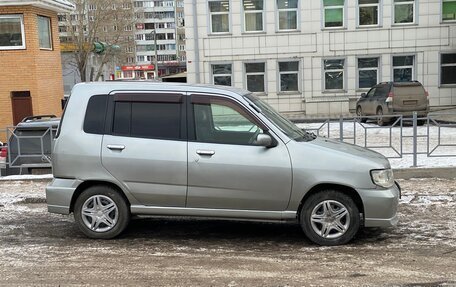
x: 196, y: 60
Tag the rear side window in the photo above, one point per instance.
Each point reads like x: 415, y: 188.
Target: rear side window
x: 382, y: 91
x: 147, y: 119
x: 94, y: 120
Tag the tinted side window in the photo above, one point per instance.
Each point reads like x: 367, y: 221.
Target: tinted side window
x: 156, y: 120
x: 94, y: 120
x: 122, y: 115
x: 382, y: 91
x: 147, y: 119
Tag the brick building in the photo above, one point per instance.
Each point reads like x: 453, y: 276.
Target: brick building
x: 31, y: 81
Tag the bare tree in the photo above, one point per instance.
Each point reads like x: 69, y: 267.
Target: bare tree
x: 104, y: 21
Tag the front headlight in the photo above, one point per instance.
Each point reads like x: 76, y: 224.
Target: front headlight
x: 383, y: 177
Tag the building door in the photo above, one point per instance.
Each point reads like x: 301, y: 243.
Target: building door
x: 21, y: 105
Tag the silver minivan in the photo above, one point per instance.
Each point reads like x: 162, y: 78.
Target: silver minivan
x: 138, y: 148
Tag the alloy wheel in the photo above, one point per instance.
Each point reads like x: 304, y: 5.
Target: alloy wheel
x: 99, y: 213
x: 330, y: 219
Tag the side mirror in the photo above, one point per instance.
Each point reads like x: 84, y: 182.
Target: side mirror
x: 363, y: 95
x: 264, y: 140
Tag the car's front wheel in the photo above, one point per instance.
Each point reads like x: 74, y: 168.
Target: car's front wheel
x: 101, y: 212
x: 330, y: 218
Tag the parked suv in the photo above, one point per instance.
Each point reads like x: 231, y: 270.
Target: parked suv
x: 393, y: 98
x: 29, y: 145
x: 126, y: 149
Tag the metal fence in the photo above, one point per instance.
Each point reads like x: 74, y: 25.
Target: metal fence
x: 401, y: 137
x: 29, y: 148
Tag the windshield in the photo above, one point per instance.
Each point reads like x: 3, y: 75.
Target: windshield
x: 287, y: 127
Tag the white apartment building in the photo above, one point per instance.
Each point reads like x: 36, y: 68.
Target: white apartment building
x: 160, y: 36
x: 316, y: 57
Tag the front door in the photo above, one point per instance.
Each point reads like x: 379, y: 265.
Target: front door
x: 21, y: 106
x: 226, y: 170
x: 146, y: 147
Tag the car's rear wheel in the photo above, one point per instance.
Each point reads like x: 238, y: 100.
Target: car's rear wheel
x: 330, y: 218
x: 359, y: 113
x: 380, y: 119
x: 101, y: 212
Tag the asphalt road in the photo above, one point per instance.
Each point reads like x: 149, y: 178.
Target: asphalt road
x: 38, y: 248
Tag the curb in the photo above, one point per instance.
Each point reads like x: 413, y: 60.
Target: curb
x: 432, y: 172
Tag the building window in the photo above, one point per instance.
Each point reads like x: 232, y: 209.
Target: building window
x: 221, y: 74
x: 11, y: 32
x: 403, y: 68
x: 254, y: 73
x: 288, y: 74
x: 448, y: 69
x: 334, y: 74
x: 253, y: 15
x: 448, y: 10
x: 404, y: 11
x: 288, y: 14
x: 334, y: 13
x: 368, y: 12
x: 367, y: 72
x: 219, y: 16
x: 44, y: 32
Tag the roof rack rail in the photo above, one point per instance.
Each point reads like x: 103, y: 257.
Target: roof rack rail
x: 39, y: 117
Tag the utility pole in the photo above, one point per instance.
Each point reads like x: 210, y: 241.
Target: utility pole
x: 155, y: 48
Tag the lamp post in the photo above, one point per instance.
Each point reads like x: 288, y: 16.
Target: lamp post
x: 155, y: 49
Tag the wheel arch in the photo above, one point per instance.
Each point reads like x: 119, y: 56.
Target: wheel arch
x: 90, y: 183
x: 349, y: 191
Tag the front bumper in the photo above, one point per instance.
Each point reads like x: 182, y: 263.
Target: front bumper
x: 380, y: 206
x: 59, y: 194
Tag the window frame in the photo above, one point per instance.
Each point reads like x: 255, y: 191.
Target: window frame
x: 279, y: 74
x: 219, y: 75
x: 23, y: 46
x: 201, y: 98
x: 150, y: 97
x: 255, y: 74
x: 378, y: 69
x: 379, y: 5
x: 50, y: 33
x: 441, y: 12
x: 210, y: 14
x: 344, y: 20
x: 344, y: 75
x: 403, y: 2
x: 245, y: 12
x: 403, y: 67
x: 297, y: 10
x: 452, y: 85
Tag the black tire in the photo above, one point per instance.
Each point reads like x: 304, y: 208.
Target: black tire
x: 350, y: 220
x: 380, y: 119
x: 105, y: 196
x: 359, y: 113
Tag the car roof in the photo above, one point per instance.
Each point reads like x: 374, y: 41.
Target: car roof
x: 40, y: 123
x: 401, y: 84
x: 94, y: 88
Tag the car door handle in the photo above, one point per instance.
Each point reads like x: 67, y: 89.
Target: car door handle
x: 205, y: 152
x: 115, y: 147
